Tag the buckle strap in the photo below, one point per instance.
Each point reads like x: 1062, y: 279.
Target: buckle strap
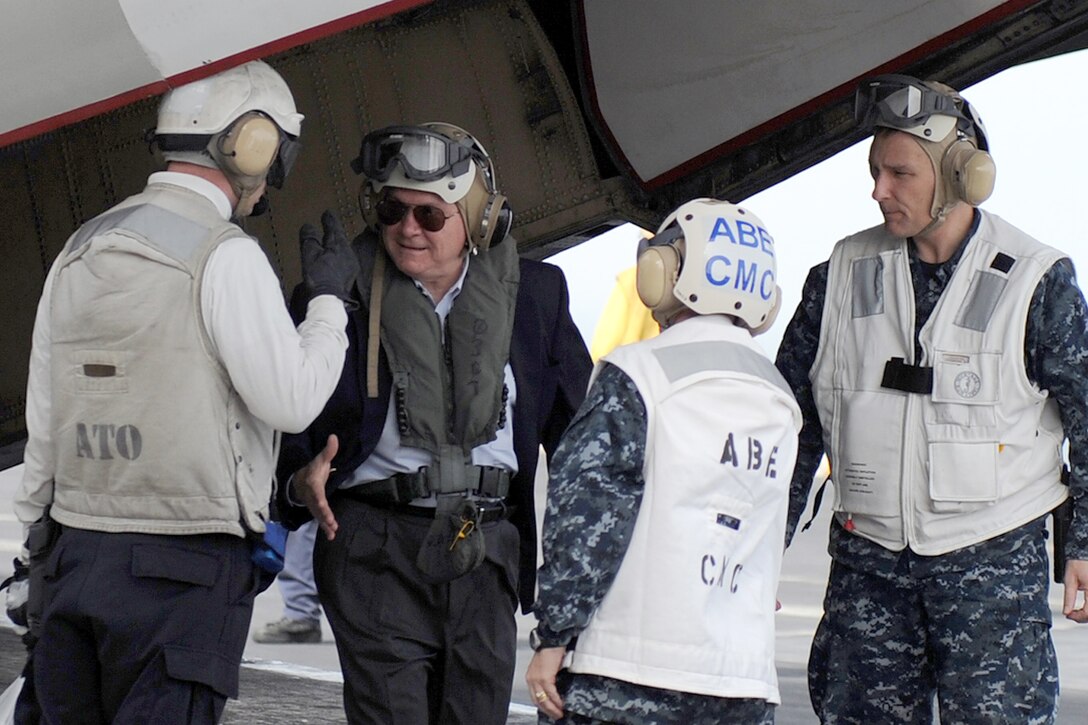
x: 483, y: 481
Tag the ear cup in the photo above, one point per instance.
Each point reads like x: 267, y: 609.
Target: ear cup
x: 971, y: 172
x: 494, y: 223
x: 504, y: 223
x: 656, y: 272
x: 250, y: 145
x: 368, y: 200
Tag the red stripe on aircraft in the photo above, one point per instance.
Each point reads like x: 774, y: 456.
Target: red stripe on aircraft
x: 158, y: 87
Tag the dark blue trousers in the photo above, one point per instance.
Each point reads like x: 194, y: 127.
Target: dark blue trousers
x: 143, y: 629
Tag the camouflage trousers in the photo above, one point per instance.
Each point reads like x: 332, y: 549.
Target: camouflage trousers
x: 573, y: 718
x: 608, y: 700
x: 975, y: 635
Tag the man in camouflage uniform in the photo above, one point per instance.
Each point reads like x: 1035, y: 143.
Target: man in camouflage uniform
x: 939, y: 361
x: 668, y: 498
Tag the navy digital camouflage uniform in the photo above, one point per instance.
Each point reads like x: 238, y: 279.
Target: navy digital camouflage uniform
x: 594, y: 494
x: 987, y: 625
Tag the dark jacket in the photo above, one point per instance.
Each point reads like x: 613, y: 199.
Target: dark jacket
x: 551, y: 370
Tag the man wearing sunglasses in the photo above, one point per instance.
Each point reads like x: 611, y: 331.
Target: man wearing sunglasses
x: 463, y: 360
x: 164, y: 361
x: 938, y: 360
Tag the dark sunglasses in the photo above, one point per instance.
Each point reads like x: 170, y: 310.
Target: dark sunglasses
x: 390, y: 212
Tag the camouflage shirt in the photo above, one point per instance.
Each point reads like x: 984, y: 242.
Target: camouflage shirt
x: 594, y: 493
x: 1055, y: 359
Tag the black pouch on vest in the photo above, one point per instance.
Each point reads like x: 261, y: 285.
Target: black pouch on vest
x: 454, y: 544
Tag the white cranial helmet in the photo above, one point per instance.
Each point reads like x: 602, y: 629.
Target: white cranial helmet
x: 712, y: 257
x: 207, y: 106
x: 242, y: 121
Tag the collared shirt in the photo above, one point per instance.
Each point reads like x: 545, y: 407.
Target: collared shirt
x: 1055, y: 350
x: 283, y: 374
x: 390, y: 456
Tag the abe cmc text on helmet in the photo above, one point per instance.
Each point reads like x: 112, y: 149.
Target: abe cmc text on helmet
x: 711, y: 257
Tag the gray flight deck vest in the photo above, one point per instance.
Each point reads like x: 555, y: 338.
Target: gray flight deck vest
x: 149, y: 434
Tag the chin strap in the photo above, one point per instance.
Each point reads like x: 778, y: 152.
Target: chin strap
x: 937, y: 220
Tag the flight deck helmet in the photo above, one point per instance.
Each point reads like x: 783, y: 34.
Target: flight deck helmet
x: 947, y: 128
x: 442, y: 159
x: 711, y: 257
x: 242, y: 121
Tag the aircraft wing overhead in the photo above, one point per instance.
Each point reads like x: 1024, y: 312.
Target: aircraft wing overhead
x: 692, y: 98
x: 672, y: 83
x: 65, y: 61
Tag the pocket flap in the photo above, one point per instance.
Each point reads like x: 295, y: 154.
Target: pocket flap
x: 198, y: 665
x: 182, y: 565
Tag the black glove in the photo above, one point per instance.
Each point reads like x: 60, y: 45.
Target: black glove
x: 329, y: 265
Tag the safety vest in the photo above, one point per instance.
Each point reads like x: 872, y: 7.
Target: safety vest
x: 692, y: 605
x: 149, y: 434
x: 957, y: 447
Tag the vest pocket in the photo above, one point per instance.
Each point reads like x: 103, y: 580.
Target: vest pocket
x: 866, y: 473
x: 99, y: 371
x: 966, y: 378
x: 962, y: 476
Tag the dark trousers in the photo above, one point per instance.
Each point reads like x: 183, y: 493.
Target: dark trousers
x: 414, y: 653
x: 143, y: 629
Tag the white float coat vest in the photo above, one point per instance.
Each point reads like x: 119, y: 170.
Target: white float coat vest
x: 977, y: 456
x: 692, y: 605
x: 149, y: 434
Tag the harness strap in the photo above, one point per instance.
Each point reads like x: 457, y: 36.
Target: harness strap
x: 374, y: 325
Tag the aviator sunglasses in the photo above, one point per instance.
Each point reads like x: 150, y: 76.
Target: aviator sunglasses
x: 390, y: 212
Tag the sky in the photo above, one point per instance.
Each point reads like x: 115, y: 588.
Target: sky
x: 1036, y: 116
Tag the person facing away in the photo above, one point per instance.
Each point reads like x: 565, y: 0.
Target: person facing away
x: 939, y: 362
x: 163, y: 361
x: 463, y: 360
x: 667, y: 502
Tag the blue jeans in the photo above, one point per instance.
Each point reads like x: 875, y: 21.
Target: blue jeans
x: 296, y: 581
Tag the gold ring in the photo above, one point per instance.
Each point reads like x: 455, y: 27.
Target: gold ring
x: 541, y: 696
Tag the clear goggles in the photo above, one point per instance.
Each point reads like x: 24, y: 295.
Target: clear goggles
x: 422, y: 154
x: 904, y: 103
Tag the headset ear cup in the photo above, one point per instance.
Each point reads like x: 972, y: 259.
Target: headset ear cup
x: 368, y: 200
x: 972, y: 172
x: 488, y: 217
x: 499, y: 221
x: 250, y: 145
x: 656, y: 272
